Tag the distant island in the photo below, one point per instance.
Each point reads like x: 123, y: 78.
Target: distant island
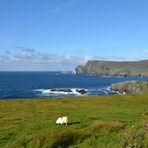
x: 114, y: 68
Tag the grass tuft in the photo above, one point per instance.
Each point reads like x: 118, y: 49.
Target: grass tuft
x: 109, y: 126
x: 65, y: 139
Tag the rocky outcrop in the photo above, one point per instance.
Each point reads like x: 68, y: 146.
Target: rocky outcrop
x: 67, y: 90
x: 112, y: 68
x: 130, y: 87
x: 81, y: 91
x: 61, y: 90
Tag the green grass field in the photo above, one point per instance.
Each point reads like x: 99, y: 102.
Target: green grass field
x: 97, y: 122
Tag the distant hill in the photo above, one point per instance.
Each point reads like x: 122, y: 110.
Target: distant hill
x: 113, y: 68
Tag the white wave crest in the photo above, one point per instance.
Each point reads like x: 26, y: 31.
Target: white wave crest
x: 72, y: 91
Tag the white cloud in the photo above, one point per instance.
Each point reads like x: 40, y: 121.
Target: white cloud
x: 64, y: 5
x: 138, y: 54
x: 31, y: 59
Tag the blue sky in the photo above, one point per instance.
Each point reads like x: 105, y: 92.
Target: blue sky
x: 59, y: 34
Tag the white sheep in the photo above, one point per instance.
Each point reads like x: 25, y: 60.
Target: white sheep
x: 62, y: 120
x: 59, y: 121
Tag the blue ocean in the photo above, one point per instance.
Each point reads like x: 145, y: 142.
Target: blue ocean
x: 15, y: 85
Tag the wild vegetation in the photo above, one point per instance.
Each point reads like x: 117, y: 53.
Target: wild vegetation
x: 102, y: 121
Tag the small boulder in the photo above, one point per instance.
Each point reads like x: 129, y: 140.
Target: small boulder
x: 81, y: 91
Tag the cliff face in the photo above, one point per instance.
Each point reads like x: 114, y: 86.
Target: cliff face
x: 111, y: 68
x: 130, y: 87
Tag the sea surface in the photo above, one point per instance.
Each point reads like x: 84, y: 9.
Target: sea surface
x: 15, y: 85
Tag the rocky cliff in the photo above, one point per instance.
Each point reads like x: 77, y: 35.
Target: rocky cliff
x: 130, y: 87
x: 112, y: 68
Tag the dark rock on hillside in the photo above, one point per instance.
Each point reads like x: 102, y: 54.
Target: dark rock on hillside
x: 130, y: 87
x: 112, y: 68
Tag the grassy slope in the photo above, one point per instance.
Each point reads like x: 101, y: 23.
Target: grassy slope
x: 102, y: 121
